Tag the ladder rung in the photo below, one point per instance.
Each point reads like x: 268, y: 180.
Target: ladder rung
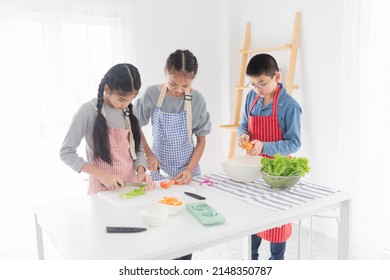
x: 233, y: 127
x: 242, y: 87
x: 263, y: 50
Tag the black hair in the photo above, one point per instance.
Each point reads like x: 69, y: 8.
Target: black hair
x: 262, y: 64
x: 182, y: 61
x: 123, y: 78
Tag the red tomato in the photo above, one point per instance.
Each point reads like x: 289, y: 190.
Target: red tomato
x: 165, y: 184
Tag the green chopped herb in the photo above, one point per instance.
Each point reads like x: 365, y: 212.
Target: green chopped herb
x: 137, y: 192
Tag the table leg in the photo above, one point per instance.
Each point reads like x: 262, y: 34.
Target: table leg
x: 299, y: 238
x: 344, y: 242
x: 247, y: 247
x: 38, y: 229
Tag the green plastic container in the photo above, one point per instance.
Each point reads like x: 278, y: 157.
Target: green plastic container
x: 205, y: 213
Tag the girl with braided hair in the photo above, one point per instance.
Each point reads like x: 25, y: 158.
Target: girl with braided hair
x: 112, y: 134
x: 177, y: 112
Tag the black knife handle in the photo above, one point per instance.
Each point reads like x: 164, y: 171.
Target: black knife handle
x: 195, y: 195
x: 124, y: 229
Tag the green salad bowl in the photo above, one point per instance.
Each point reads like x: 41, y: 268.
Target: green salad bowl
x: 280, y: 182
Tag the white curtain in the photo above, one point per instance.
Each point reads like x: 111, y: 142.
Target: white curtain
x: 53, y: 54
x: 364, y: 154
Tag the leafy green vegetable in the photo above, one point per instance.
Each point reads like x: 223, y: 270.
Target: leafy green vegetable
x: 137, y: 192
x: 285, y: 166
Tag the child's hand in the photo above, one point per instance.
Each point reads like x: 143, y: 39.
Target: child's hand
x: 183, y: 177
x: 143, y: 177
x: 110, y: 181
x: 257, y: 148
x: 243, y: 138
x: 152, y: 163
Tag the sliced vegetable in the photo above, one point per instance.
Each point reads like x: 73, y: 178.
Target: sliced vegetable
x: 171, y: 201
x: 137, y: 192
x: 166, y: 184
x: 285, y: 166
x: 247, y: 145
x: 176, y: 182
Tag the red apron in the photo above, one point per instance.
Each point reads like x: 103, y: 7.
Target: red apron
x: 122, y: 162
x: 267, y: 129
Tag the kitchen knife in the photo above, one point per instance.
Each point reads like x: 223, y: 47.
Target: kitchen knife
x: 135, y: 184
x: 195, y: 195
x: 164, y: 174
x: 124, y: 229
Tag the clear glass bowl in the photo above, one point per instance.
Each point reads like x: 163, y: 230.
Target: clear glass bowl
x: 280, y: 182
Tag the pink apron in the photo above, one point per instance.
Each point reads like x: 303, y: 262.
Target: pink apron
x: 267, y: 129
x: 122, y: 162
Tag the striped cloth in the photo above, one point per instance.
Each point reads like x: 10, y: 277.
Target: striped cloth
x: 259, y: 193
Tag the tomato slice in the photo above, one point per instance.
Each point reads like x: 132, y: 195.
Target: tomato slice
x: 165, y: 184
x: 176, y: 182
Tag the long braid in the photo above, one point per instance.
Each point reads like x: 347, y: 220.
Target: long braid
x: 135, y: 128
x: 100, y: 131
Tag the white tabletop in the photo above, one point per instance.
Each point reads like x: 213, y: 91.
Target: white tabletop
x: 77, y: 227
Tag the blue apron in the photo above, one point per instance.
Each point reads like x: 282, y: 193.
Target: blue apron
x: 172, y: 145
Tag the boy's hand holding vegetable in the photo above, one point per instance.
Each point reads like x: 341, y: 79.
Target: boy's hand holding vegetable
x: 253, y: 148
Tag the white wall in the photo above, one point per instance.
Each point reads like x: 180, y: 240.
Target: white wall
x: 213, y: 30
x: 317, y: 75
x: 197, y: 25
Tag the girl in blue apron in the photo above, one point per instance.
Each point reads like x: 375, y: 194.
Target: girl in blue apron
x: 177, y: 112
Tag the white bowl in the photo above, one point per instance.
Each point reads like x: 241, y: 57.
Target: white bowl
x: 244, y: 168
x: 155, y: 215
x: 173, y: 209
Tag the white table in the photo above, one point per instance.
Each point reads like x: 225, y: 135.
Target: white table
x: 77, y: 227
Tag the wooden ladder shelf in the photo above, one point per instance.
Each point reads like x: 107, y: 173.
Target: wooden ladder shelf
x: 245, y: 52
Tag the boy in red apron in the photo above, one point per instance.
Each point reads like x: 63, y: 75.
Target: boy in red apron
x: 271, y: 121
x: 111, y: 132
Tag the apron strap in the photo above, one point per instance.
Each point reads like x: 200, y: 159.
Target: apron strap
x: 253, y: 104
x: 187, y: 107
x: 274, y: 104
x: 161, y: 96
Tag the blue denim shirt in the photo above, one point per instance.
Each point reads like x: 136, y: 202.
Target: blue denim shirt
x: 289, y: 116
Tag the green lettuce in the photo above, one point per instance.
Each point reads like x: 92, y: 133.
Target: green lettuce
x: 285, y: 166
